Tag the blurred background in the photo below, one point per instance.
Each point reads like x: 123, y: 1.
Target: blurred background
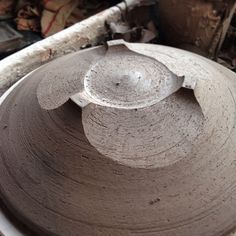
x: 206, y: 27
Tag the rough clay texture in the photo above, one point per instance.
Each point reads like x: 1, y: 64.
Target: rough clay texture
x: 21, y: 63
x: 66, y: 186
x: 89, y: 31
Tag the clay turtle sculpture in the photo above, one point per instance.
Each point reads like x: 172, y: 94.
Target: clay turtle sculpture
x: 129, y: 139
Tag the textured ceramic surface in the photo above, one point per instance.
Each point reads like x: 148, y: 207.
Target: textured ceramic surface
x: 132, y: 139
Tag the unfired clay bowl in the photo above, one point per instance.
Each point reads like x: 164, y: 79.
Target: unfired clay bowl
x: 128, y: 139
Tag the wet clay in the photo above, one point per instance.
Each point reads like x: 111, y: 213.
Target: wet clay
x: 140, y: 140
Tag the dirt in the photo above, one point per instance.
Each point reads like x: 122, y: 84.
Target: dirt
x: 61, y: 192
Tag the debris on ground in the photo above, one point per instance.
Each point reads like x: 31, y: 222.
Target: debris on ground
x: 227, y: 54
x: 28, y: 17
x: 138, y: 25
x: 35, y: 20
x: 204, y: 27
x: 6, y: 9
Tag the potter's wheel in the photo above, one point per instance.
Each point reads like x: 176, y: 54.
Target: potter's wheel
x: 131, y: 140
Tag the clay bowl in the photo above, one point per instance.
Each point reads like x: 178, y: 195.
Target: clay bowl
x: 132, y: 139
